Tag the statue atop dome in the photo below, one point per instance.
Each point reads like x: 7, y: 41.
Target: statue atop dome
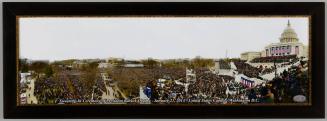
x: 288, y: 34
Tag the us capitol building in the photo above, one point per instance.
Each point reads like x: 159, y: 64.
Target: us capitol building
x: 289, y: 45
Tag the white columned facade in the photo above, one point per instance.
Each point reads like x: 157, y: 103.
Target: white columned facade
x: 289, y: 45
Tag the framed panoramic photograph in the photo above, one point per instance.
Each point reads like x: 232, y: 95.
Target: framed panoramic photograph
x: 164, y: 60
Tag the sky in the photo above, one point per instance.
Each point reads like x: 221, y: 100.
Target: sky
x: 59, y: 38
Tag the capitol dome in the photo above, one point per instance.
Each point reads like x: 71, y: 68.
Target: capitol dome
x: 289, y: 34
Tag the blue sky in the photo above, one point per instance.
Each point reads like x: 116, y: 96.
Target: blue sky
x: 58, y: 38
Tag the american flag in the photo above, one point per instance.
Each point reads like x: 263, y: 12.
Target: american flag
x: 246, y: 82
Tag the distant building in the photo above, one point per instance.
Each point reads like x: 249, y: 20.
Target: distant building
x: 134, y: 65
x: 93, y: 60
x: 289, y: 45
x: 36, y: 61
x: 77, y: 64
x: 104, y: 65
x: 250, y: 55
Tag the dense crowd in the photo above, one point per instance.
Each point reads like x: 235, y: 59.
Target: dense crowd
x: 247, y: 69
x: 207, y: 86
x: 66, y: 86
x: 223, y: 64
x: 271, y: 59
x: 284, y: 87
x: 290, y: 60
x: 48, y: 90
x: 211, y: 86
x: 131, y: 78
x: 70, y: 85
x: 171, y: 73
x: 267, y: 70
x: 290, y: 83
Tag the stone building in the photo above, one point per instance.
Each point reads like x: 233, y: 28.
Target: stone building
x: 288, y: 45
x: 250, y: 55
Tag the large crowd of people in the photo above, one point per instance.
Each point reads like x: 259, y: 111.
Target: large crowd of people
x: 267, y: 70
x: 208, y: 85
x: 66, y: 86
x: 272, y: 59
x: 70, y: 85
x: 290, y: 83
x: 224, y: 64
x: 247, y: 69
x: 48, y: 90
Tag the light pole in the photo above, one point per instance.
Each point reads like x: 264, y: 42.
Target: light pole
x: 93, y: 92
x: 275, y: 67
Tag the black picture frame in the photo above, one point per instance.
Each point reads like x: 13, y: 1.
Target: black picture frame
x: 13, y: 9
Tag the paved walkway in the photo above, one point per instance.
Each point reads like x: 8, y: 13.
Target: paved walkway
x: 31, y: 99
x: 119, y: 91
x: 110, y: 93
